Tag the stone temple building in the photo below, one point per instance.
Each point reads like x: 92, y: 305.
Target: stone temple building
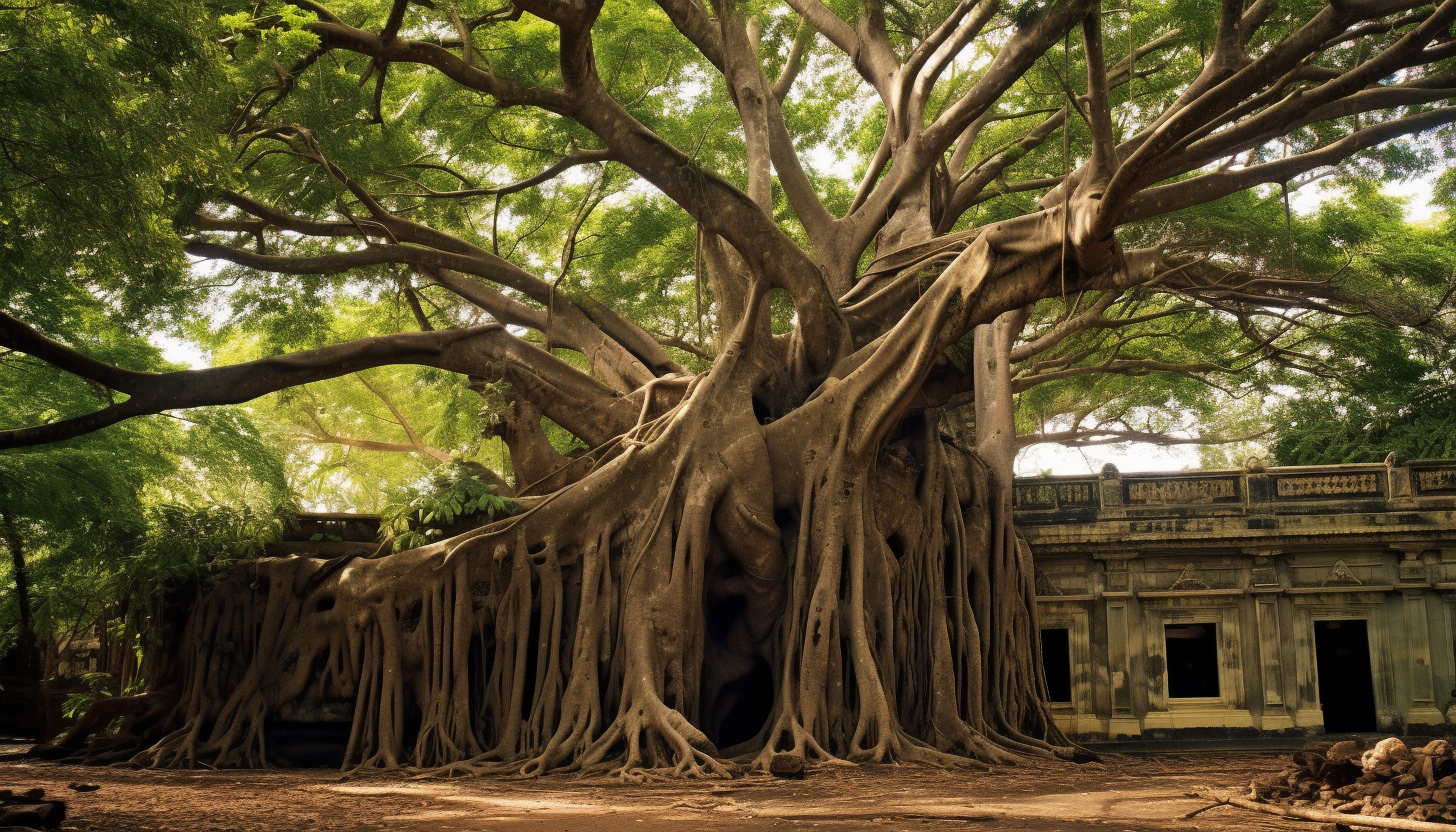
x: 1243, y: 603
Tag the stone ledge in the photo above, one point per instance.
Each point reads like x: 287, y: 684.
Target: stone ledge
x: 1187, y: 593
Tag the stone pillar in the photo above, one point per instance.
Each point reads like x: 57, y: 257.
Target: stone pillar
x: 1422, y: 710
x: 1119, y: 672
x: 1276, y: 715
x: 1307, y: 710
x: 1260, y: 491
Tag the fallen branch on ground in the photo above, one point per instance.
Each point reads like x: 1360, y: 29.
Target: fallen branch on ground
x: 1321, y: 816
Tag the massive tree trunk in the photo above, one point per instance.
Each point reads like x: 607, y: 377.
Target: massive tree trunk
x: 842, y: 583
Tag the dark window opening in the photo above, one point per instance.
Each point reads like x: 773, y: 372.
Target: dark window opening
x: 1342, y: 666
x: 1056, y: 662
x: 1192, y: 652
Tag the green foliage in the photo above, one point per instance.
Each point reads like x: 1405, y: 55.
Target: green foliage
x: 1322, y: 432
x: 108, y: 122
x: 1389, y: 388
x: 111, y: 122
x: 109, y: 521
x: 1396, y: 393
x: 419, y: 514
x: 1316, y: 385
x: 97, y: 686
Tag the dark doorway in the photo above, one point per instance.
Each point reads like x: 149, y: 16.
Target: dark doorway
x: 1192, y: 660
x: 1342, y: 662
x: 1056, y: 662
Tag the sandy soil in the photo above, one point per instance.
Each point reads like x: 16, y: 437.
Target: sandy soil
x: 1122, y: 793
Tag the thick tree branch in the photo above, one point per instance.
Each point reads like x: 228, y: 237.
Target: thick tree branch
x: 742, y: 63
x: 1165, y: 199
x: 868, y: 53
x: 505, y: 309
x: 624, y: 353
x: 716, y: 204
x: 925, y: 148
x: 930, y: 58
x: 1429, y: 90
x: 692, y: 20
x: 828, y: 24
x: 335, y: 34
x: 991, y: 167
x: 571, y: 398
x: 721, y: 209
x: 748, y: 89
x: 1148, y: 157
x: 793, y: 63
x: 1254, y: 18
x: 17, y: 336
x: 1099, y: 107
x: 1010, y: 64
x: 1329, y: 100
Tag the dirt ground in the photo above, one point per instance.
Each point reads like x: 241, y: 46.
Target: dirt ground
x: 1121, y: 793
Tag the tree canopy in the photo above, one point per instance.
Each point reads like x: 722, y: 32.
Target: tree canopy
x: 724, y: 280
x: 1269, y: 314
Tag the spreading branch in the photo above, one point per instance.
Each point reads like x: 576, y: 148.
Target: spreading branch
x: 569, y: 397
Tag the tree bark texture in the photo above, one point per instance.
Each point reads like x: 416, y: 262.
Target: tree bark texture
x: 785, y: 553
x: 841, y: 584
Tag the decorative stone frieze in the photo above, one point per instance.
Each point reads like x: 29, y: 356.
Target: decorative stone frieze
x: 1436, y: 481
x: 1181, y: 492
x: 1043, y: 495
x: 1334, y: 485
x: 1034, y: 496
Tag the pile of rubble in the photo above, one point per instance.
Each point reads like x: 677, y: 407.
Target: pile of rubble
x: 1390, y: 780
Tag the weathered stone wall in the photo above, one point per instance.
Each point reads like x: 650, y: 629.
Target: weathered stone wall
x: 1265, y: 556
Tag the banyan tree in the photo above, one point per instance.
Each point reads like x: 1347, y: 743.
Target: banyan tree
x: 786, y: 526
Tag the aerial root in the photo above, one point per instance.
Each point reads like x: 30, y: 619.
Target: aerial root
x: 660, y: 743
x: 915, y: 751
x: 581, y: 645
x: 477, y: 767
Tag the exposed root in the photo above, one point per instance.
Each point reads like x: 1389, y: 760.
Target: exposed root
x: 843, y: 586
